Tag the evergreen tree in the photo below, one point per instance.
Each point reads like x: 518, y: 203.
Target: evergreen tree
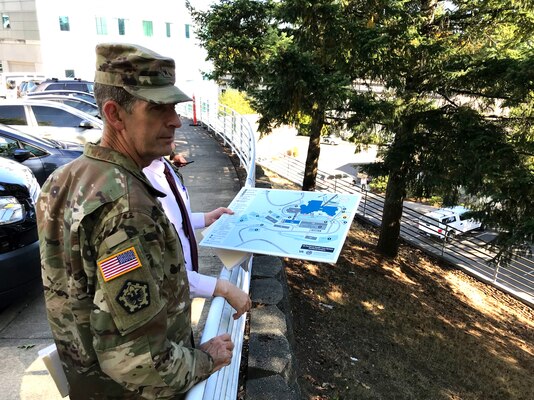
x: 447, y: 86
x: 450, y: 105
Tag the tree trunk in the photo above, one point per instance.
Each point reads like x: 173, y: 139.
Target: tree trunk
x: 314, y: 150
x: 388, y: 242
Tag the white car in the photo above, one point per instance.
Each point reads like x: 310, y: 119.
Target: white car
x: 447, y: 222
x: 51, y: 120
x: 333, y: 140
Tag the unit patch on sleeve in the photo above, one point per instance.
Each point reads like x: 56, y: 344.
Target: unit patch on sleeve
x: 134, y: 296
x: 119, y: 264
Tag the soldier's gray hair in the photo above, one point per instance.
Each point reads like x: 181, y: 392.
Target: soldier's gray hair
x: 105, y: 93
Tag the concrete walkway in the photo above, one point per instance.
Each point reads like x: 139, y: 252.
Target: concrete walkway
x: 212, y: 182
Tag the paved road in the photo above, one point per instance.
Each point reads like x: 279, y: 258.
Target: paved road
x: 212, y: 182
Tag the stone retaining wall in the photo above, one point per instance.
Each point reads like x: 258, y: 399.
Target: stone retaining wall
x: 272, y: 365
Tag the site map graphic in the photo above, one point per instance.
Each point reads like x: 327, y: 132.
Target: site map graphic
x: 287, y: 223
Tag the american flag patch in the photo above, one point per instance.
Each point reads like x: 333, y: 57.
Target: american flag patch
x: 119, y: 264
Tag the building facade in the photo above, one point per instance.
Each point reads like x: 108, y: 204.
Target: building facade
x: 57, y: 37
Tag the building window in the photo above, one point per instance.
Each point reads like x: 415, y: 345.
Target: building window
x: 147, y: 28
x: 187, y: 31
x: 64, y: 24
x: 168, y: 29
x: 122, y: 27
x: 5, y: 21
x: 69, y: 73
x: 101, y: 27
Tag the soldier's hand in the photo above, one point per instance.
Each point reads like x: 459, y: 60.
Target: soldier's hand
x: 220, y: 349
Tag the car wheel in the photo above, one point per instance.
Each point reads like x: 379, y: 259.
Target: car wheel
x: 451, y: 235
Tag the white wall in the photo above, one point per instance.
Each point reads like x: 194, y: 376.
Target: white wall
x: 74, y: 49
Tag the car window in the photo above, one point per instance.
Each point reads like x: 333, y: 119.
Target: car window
x: 7, y: 146
x: 464, y: 216
x: 81, y: 87
x: 36, y: 151
x: 55, y: 86
x: 448, y: 220
x: 86, y: 108
x: 49, y: 116
x: 12, y: 115
x: 31, y: 86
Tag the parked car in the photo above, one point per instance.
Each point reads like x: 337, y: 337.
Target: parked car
x: 65, y: 84
x: 83, y: 105
x: 50, y: 119
x: 42, y: 156
x: 448, y: 222
x: 27, y: 86
x: 71, y: 93
x: 10, y: 81
x: 333, y: 140
x: 19, y: 246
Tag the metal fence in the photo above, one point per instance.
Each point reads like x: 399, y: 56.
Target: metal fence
x: 469, y: 252
x: 235, y: 133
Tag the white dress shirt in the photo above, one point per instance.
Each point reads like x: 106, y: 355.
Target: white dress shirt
x: 199, y: 285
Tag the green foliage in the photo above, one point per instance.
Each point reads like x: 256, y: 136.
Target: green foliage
x: 448, y: 91
x: 236, y: 100
x: 379, y: 184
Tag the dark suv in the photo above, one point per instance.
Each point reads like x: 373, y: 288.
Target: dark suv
x: 19, y: 246
x: 65, y: 84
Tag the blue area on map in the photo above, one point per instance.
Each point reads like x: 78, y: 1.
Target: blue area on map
x: 292, y: 221
x: 316, y: 205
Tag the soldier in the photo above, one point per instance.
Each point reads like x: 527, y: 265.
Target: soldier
x: 116, y: 290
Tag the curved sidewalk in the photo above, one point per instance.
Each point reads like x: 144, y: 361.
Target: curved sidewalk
x: 212, y: 182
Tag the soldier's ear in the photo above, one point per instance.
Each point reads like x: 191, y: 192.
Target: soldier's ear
x: 113, y: 115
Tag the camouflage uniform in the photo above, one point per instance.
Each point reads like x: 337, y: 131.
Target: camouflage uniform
x: 128, y: 337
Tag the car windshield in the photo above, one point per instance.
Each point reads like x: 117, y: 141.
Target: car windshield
x: 85, y: 107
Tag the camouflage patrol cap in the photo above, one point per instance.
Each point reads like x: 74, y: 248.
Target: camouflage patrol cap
x: 141, y: 72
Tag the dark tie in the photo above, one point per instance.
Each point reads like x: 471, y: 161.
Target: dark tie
x: 186, y: 222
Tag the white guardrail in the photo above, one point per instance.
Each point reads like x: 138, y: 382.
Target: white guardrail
x: 237, y: 134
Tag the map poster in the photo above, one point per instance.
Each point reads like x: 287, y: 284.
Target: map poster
x: 287, y: 223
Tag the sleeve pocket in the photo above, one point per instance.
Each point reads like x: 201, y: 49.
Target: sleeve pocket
x: 128, y: 285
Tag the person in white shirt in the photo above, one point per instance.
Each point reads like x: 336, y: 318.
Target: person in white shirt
x: 200, y: 285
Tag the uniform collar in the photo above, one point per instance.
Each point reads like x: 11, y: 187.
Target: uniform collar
x: 114, y: 157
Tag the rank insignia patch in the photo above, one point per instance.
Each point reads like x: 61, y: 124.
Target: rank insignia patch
x: 119, y: 264
x: 134, y: 296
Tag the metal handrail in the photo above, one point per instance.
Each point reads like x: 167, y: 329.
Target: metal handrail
x: 470, y: 254
x: 237, y: 134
